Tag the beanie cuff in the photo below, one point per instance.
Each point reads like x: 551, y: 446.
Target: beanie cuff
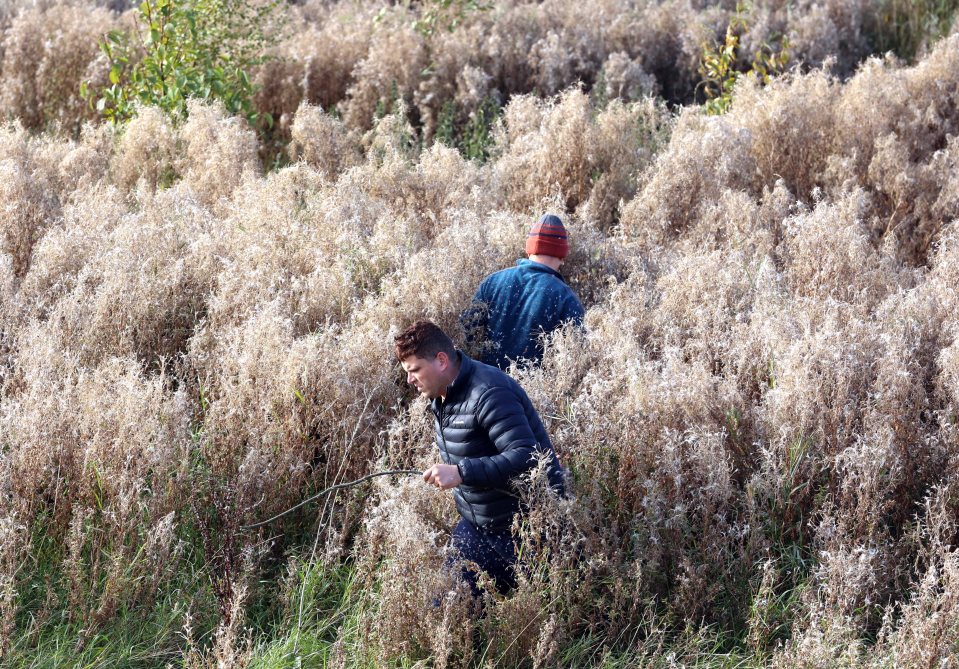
x: 545, y: 246
x: 547, y: 237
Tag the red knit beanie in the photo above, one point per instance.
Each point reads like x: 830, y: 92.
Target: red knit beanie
x: 547, y: 237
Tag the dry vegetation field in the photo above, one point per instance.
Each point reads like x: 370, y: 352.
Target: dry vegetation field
x: 761, y: 416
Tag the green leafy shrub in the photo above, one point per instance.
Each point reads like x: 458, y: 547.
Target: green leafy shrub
x: 183, y: 49
x: 472, y: 136
x: 719, y: 64
x: 446, y: 14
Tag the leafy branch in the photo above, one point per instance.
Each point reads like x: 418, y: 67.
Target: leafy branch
x: 182, y: 49
x: 718, y: 66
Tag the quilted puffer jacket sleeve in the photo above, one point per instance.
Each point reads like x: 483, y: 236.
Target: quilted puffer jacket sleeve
x: 502, y: 416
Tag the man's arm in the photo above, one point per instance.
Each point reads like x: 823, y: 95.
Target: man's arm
x: 475, y: 317
x: 502, y: 415
x: 573, y: 309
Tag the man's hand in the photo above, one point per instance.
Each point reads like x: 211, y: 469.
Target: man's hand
x: 443, y: 477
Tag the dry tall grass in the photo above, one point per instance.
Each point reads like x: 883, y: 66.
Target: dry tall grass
x: 760, y: 416
x: 361, y: 57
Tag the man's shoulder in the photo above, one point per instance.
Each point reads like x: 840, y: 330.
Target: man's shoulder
x: 526, y: 273
x: 501, y: 275
x: 498, y: 285
x: 554, y: 287
x: 487, y: 379
x: 487, y: 375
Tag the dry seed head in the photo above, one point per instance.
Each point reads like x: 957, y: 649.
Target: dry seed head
x: 47, y: 52
x: 322, y: 142
x: 147, y: 149
x: 220, y: 152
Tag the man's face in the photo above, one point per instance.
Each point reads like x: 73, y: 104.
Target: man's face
x: 428, y: 376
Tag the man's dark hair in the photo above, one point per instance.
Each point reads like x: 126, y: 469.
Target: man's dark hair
x: 423, y: 339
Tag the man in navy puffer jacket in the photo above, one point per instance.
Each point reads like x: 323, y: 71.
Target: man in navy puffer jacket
x: 488, y: 433
x: 514, y: 307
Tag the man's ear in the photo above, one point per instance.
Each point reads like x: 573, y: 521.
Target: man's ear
x: 443, y: 360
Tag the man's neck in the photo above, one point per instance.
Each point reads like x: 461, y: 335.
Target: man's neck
x: 552, y: 262
x: 454, y: 372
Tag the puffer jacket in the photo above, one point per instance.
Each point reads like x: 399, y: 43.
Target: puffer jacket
x: 488, y: 428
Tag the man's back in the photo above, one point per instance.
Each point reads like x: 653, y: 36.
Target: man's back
x: 515, y: 306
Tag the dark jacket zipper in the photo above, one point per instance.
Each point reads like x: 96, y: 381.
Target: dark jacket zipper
x: 439, y: 419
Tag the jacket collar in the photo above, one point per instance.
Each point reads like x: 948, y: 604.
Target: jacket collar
x: 528, y: 265
x: 460, y: 382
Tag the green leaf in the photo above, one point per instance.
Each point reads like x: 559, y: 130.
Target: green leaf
x: 190, y: 48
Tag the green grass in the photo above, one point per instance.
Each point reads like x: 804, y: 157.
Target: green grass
x: 297, y: 650
x: 135, y: 639
x: 906, y: 26
x: 49, y: 634
x: 321, y: 604
x: 472, y: 137
x: 310, y: 619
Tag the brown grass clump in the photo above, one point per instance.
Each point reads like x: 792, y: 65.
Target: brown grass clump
x: 21, y: 230
x: 26, y: 195
x: 788, y: 143
x: 897, y: 149
x: 15, y: 546
x: 625, y: 79
x: 891, y: 138
x: 830, y: 257
x: 315, y: 61
x: 112, y: 477
x: 833, y: 33
x: 361, y: 57
x: 924, y: 634
x: 387, y: 74
x: 85, y: 162
x: 704, y: 157
x: 219, y: 152
x: 322, y: 142
x: 63, y: 253
x: 47, y: 53
x: 127, y: 282
x: 419, y: 607
x: 147, y: 150
x: 562, y: 150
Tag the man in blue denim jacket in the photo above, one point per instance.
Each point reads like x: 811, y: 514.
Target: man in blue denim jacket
x: 515, y: 307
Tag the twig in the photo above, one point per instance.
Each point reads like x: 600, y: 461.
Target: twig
x: 339, y: 486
